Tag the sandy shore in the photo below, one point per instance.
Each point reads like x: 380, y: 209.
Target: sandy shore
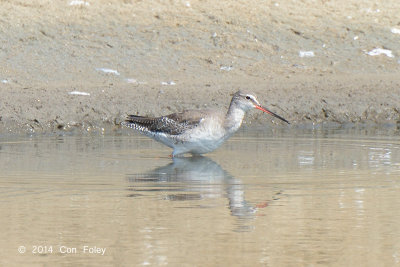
x: 86, y: 64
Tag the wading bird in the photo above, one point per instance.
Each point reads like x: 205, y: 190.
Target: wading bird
x: 197, y: 131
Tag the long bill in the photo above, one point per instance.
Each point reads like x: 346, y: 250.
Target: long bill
x: 271, y: 113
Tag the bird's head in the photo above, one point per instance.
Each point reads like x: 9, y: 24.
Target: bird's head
x: 247, y: 101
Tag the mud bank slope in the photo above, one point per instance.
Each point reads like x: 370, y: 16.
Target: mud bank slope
x: 86, y: 64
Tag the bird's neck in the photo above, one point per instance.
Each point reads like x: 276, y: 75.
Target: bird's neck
x: 233, y: 118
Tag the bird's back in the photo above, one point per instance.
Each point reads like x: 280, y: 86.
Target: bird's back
x: 172, y: 124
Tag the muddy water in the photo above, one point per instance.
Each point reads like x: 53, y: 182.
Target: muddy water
x: 282, y: 198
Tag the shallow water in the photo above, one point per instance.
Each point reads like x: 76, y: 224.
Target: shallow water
x: 269, y: 198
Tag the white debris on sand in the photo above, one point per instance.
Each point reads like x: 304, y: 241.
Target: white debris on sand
x: 4, y: 81
x: 370, y: 10
x: 111, y: 71
x: 226, y: 68
x: 395, y: 30
x: 306, y: 54
x: 380, y: 51
x: 78, y: 93
x: 131, y: 80
x: 134, y: 81
x: 79, y: 3
x: 168, y: 83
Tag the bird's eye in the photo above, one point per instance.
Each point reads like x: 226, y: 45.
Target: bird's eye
x: 247, y: 97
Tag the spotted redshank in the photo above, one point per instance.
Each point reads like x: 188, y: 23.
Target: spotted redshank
x: 197, y: 131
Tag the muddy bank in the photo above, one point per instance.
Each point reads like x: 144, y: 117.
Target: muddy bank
x: 85, y: 66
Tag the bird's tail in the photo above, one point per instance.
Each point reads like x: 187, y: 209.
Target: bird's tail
x: 139, y: 123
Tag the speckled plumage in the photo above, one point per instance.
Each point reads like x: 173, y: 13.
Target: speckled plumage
x: 173, y: 124
x: 196, y: 131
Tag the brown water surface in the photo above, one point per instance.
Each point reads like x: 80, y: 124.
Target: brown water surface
x: 282, y: 198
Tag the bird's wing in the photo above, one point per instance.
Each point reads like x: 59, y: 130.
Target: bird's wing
x: 173, y: 124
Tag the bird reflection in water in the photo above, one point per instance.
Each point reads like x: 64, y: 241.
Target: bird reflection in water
x: 196, y: 178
